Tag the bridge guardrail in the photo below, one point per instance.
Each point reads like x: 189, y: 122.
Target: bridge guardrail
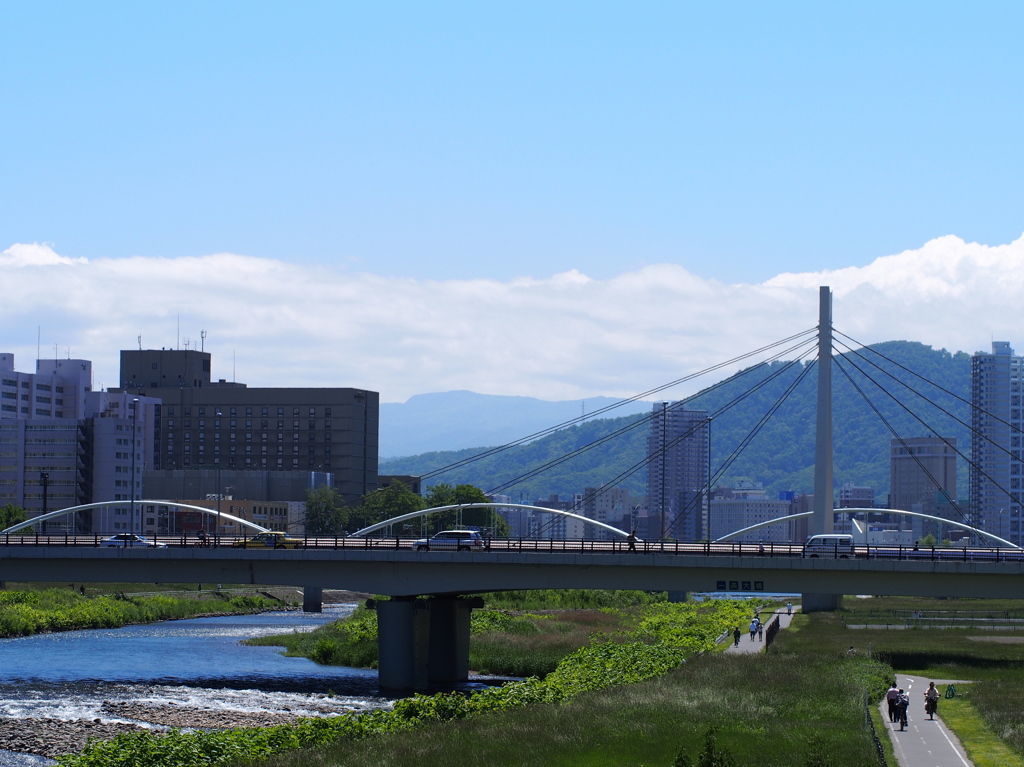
x: 557, y: 546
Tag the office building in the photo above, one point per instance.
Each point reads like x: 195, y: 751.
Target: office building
x: 995, y: 475
x: 64, y: 445
x: 744, y: 505
x: 207, y: 424
x: 677, y: 472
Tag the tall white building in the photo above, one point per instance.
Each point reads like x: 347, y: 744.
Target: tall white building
x: 63, y: 445
x: 744, y: 505
x: 677, y: 472
x: 995, y: 477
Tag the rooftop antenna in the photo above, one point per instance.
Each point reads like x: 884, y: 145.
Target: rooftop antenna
x: 140, y: 343
x: 202, y: 335
x: 39, y: 340
x: 178, y: 342
x: 233, y: 379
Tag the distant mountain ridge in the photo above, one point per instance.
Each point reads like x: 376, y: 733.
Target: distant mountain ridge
x: 780, y: 455
x: 456, y: 420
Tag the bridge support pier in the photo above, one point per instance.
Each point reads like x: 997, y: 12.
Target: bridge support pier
x: 423, y: 642
x: 312, y: 599
x: 820, y: 603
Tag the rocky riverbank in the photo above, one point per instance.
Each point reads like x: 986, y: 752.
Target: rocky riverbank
x: 54, y: 737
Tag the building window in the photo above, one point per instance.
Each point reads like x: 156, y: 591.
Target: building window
x: 248, y: 425
x: 280, y: 412
x: 327, y: 412
x: 188, y: 411
x: 202, y: 422
x: 295, y: 412
x: 202, y: 411
x: 263, y: 424
x: 280, y: 424
x: 264, y: 412
x: 295, y: 462
x: 312, y: 412
x: 234, y: 412
x: 248, y: 411
x: 232, y: 451
x: 295, y: 449
x: 170, y: 410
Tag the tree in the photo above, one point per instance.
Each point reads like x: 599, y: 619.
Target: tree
x: 325, y: 513
x: 384, y: 503
x: 11, y: 515
x: 444, y: 494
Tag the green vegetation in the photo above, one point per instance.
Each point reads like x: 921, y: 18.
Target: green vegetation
x: 645, y: 654
x: 782, y: 454
x: 504, y: 642
x: 11, y: 515
x: 982, y: 744
x: 327, y: 515
x: 32, y: 612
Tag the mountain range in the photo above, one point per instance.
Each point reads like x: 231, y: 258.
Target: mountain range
x: 892, y: 389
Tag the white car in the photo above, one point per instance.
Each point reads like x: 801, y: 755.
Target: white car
x: 831, y: 546
x: 459, y: 540
x: 130, y: 539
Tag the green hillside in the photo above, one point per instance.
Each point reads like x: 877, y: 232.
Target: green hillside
x: 781, y: 455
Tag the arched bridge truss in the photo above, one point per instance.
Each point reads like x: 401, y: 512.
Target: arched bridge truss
x: 943, y: 520
x: 426, y: 512
x: 71, y: 510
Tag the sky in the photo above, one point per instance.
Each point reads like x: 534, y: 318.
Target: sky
x: 551, y: 200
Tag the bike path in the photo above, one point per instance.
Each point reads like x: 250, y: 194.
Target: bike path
x: 926, y: 742
x: 748, y: 647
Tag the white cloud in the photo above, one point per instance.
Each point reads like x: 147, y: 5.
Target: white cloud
x: 560, y: 337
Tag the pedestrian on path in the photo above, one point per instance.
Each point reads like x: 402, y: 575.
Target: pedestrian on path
x: 760, y: 631
x: 631, y: 539
x: 736, y: 637
x: 890, y: 698
x: 753, y: 629
x: 789, y: 608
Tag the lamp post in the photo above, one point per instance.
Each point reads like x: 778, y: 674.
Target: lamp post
x: 135, y: 421
x: 44, y: 480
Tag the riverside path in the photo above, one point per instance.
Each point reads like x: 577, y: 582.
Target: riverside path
x: 926, y: 742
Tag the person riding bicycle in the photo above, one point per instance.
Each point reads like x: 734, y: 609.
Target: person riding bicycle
x: 931, y: 700
x: 902, y: 704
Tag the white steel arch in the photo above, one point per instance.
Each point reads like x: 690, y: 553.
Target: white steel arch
x: 949, y: 522
x: 73, y: 509
x: 425, y: 512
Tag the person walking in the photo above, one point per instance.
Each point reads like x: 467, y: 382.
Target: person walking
x: 736, y: 637
x: 931, y: 700
x: 789, y: 608
x: 760, y: 631
x: 631, y: 539
x: 753, y: 629
x: 890, y: 698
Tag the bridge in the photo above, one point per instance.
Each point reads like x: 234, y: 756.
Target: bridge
x: 424, y: 641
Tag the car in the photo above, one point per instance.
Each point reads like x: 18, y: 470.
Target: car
x: 831, y: 546
x: 122, y: 540
x: 459, y: 540
x: 272, y: 539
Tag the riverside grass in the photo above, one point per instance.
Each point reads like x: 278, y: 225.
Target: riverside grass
x: 992, y: 660
x: 605, y: 664
x: 31, y: 612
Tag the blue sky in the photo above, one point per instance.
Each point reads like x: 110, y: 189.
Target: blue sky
x: 457, y: 142
x: 451, y: 140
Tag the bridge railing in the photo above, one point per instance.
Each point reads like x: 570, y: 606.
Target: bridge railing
x: 540, y: 546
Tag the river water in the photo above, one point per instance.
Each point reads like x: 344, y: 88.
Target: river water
x: 197, y: 663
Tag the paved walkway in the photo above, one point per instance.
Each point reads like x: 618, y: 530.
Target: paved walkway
x: 926, y: 742
x: 747, y: 646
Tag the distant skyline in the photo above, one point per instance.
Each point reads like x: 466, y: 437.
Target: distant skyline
x: 557, y: 201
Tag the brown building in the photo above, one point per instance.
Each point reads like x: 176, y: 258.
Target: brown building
x: 205, y: 424
x: 923, y: 472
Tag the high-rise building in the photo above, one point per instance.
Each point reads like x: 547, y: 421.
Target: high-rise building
x: 64, y: 445
x: 996, y: 472
x: 677, y: 472
x: 206, y: 424
x: 856, y: 497
x: 611, y: 505
x: 923, y: 479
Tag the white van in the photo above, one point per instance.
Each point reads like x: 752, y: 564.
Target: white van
x: 831, y: 545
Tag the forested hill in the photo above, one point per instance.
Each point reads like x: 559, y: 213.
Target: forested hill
x: 780, y: 455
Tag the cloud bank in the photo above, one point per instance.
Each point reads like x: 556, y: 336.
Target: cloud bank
x: 562, y: 337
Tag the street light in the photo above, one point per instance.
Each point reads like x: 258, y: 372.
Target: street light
x: 135, y: 421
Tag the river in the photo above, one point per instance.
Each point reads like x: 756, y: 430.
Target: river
x: 195, y: 664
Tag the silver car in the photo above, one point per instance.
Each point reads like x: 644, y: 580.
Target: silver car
x: 459, y: 540
x: 130, y: 539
